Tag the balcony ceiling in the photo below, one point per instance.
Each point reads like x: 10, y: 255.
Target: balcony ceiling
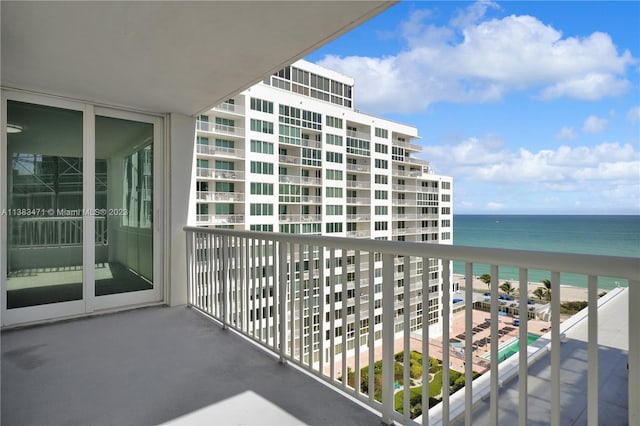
x: 164, y: 56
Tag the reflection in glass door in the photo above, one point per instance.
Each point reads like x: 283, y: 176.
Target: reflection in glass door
x: 44, y: 201
x: 124, y: 206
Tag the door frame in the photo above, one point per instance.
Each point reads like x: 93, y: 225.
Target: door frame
x: 89, y: 303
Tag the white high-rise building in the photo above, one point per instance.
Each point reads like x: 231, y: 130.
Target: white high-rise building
x: 292, y: 155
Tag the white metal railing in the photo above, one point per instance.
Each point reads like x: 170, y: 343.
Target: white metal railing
x: 244, y: 280
x: 359, y: 217
x: 290, y: 159
x: 405, y: 144
x: 206, y: 172
x: 358, y: 168
x: 220, y: 151
x: 205, y: 126
x: 407, y: 173
x: 228, y: 107
x: 300, y: 218
x: 219, y: 196
x: 312, y: 199
x: 359, y: 135
x: 358, y: 184
x: 358, y: 200
x: 360, y: 233
x: 53, y: 231
x: 219, y: 219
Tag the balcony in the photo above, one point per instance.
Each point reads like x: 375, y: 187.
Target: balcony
x: 364, y: 233
x: 221, y: 129
x: 219, y: 196
x: 229, y: 108
x: 219, y: 219
x: 205, y: 172
x: 361, y: 168
x: 358, y: 135
x: 541, y: 385
x: 407, y: 173
x: 290, y: 159
x: 300, y: 218
x: 311, y: 199
x: 358, y: 184
x: 154, y: 366
x: 220, y: 151
x: 407, y: 145
x: 358, y: 217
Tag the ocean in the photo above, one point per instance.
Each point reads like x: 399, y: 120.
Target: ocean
x: 603, y: 235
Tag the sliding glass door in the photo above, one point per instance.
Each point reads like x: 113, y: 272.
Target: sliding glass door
x: 80, y: 211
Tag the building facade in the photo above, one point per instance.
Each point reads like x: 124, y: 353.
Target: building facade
x: 292, y: 155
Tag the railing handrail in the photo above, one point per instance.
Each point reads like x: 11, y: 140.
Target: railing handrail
x: 587, y: 264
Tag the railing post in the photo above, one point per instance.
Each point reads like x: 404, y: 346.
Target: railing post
x: 388, y: 333
x: 225, y: 277
x: 281, y: 310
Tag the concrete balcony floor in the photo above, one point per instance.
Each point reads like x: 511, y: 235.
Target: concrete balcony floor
x: 153, y: 366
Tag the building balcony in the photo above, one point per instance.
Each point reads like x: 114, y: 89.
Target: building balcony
x: 358, y: 184
x: 311, y: 199
x: 220, y: 151
x: 230, y: 108
x: 358, y: 135
x: 209, y: 173
x: 407, y: 145
x: 364, y: 233
x: 407, y: 173
x: 290, y: 159
x: 220, y: 129
x: 219, y: 196
x: 300, y: 218
x: 360, y: 201
x: 365, y: 217
x: 219, y: 219
x: 361, y: 168
x: 208, y: 359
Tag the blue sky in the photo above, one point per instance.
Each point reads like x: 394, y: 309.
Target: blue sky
x: 532, y: 107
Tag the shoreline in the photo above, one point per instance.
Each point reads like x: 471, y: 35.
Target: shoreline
x: 568, y: 293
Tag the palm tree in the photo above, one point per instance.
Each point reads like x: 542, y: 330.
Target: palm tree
x: 507, y: 287
x: 485, y: 278
x: 539, y: 293
x: 546, y: 289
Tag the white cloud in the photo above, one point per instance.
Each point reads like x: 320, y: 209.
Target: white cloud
x: 492, y: 205
x: 475, y: 59
x: 566, y: 133
x: 594, y: 124
x: 633, y: 115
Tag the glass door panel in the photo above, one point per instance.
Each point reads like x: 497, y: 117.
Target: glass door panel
x: 124, y: 206
x: 44, y: 201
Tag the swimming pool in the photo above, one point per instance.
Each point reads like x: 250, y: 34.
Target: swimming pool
x: 514, y: 346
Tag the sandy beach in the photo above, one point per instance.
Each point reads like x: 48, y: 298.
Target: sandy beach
x: 567, y: 293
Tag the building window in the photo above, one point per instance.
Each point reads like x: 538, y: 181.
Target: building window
x: 261, y: 126
x: 261, y: 105
x: 381, y: 179
x: 333, y: 227
x: 381, y: 210
x: 381, y: 226
x: 381, y: 148
x: 446, y: 197
x: 333, y: 192
x: 381, y: 164
x: 333, y: 210
x: 334, y: 122
x: 334, y: 174
x: 381, y: 133
x: 261, y: 209
x: 260, y: 188
x: 261, y: 168
x: 334, y: 139
x: 381, y: 195
x: 261, y: 147
x: 334, y: 157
